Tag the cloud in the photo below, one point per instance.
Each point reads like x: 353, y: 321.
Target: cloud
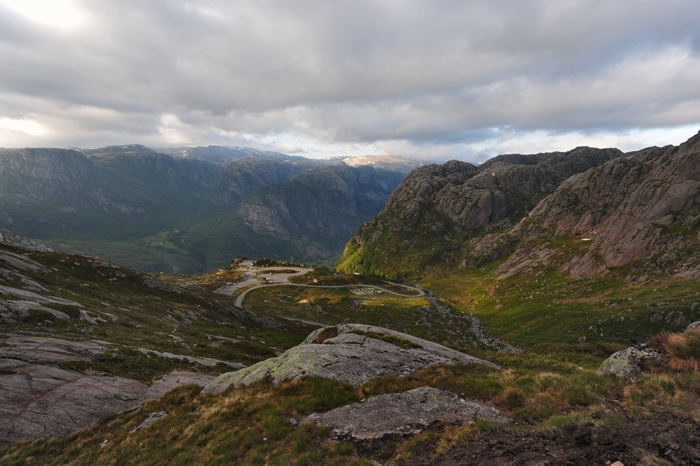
x: 446, y: 79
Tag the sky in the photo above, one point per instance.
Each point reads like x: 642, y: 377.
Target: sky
x: 430, y: 80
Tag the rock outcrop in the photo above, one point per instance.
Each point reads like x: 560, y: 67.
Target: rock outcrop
x: 641, y: 208
x: 626, y: 363
x: 351, y: 353
x: 403, y: 414
x: 10, y: 237
x: 39, y: 400
x: 43, y: 401
x: 50, y: 350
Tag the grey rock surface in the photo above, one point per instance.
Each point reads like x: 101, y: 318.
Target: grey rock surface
x: 21, y: 262
x: 13, y: 311
x: 403, y: 413
x: 626, y: 363
x: 49, y: 350
x: 349, y: 355
x: 203, y: 361
x: 153, y: 417
x: 176, y: 379
x: 10, y: 237
x: 36, y: 298
x: 693, y: 326
x: 41, y: 401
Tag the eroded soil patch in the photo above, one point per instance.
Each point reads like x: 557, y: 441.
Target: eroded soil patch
x: 662, y: 440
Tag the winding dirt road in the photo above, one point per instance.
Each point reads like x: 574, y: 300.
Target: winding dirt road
x: 282, y: 279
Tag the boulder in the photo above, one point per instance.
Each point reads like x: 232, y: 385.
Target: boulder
x: 177, y: 379
x: 626, y: 363
x: 403, y: 413
x: 350, y: 353
x: 693, y: 326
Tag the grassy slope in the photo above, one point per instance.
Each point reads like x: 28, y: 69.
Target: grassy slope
x: 184, y: 323
x: 545, y: 305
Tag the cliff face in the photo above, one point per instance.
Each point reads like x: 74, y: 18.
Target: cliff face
x: 311, y: 215
x: 595, y: 209
x: 438, y: 208
x: 44, y: 173
x: 627, y: 209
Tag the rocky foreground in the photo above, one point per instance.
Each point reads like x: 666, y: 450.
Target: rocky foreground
x: 40, y: 400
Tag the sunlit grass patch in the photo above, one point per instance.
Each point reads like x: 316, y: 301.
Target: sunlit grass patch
x: 684, y: 350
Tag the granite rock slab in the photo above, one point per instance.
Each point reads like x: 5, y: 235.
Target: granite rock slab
x: 351, y: 356
x: 403, y: 413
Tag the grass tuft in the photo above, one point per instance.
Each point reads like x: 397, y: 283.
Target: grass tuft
x: 684, y: 350
x: 326, y: 334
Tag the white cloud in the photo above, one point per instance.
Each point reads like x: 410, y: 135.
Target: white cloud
x: 445, y: 79
x: 28, y: 127
x: 61, y: 14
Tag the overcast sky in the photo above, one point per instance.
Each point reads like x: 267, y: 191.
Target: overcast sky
x: 433, y: 80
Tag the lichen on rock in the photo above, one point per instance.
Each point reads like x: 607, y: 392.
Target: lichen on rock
x: 626, y: 363
x: 403, y: 413
x: 357, y: 354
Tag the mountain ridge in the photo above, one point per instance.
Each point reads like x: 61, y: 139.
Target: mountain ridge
x: 150, y: 210
x: 457, y: 201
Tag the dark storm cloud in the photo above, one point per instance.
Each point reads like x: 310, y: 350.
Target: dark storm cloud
x: 396, y: 75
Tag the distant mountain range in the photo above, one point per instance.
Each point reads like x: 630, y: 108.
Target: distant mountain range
x: 194, y: 209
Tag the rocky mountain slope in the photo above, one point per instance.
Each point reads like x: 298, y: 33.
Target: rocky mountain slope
x: 642, y: 210
x: 159, y: 212
x: 82, y: 338
x: 383, y: 162
x: 436, y: 209
x: 345, y: 393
